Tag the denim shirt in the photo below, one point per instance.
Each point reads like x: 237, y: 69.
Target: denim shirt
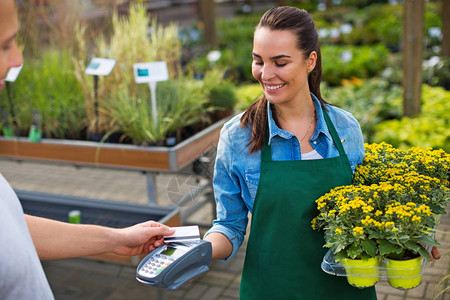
x: 236, y: 172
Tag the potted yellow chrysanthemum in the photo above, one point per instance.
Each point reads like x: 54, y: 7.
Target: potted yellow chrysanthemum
x: 343, y: 213
x: 389, y: 212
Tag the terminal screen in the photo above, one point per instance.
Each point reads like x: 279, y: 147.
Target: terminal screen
x: 169, y: 251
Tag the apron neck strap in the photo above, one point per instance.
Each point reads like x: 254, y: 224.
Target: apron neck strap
x: 334, y: 134
x: 266, y: 153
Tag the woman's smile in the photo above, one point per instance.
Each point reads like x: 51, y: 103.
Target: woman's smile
x: 272, y: 87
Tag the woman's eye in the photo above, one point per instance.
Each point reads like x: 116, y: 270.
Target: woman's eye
x: 258, y: 63
x: 281, y: 65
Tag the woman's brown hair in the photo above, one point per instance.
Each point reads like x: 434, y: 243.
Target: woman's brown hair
x: 299, y: 22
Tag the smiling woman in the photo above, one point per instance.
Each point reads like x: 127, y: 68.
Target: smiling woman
x: 275, y: 159
x: 284, y: 79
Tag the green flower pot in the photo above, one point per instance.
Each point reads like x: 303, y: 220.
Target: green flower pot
x: 362, y: 273
x: 404, y: 274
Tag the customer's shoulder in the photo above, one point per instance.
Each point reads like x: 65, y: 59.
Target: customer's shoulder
x: 340, y: 117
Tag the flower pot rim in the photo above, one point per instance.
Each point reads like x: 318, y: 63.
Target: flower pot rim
x: 330, y: 266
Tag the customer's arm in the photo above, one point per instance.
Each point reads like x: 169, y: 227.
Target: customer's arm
x: 55, y: 240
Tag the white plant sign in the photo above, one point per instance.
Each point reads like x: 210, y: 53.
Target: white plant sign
x: 150, y: 73
x: 13, y: 73
x: 100, y: 66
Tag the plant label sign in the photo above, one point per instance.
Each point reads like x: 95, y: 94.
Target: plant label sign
x: 150, y: 72
x: 100, y: 66
x: 13, y: 73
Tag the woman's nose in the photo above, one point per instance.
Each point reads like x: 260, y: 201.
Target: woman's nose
x: 267, y: 72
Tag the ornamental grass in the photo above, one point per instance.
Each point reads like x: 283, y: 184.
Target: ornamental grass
x: 392, y: 207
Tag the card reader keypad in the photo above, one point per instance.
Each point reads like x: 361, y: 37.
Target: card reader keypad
x: 156, y: 264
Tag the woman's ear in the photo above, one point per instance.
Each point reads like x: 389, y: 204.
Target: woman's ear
x: 311, y: 61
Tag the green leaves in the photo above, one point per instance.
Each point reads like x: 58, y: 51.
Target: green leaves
x: 423, y: 252
x: 385, y: 247
x: 354, y: 251
x: 370, y: 247
x: 413, y: 246
x: 436, y: 209
x: 341, y: 255
x: 428, y: 240
x: 394, y: 251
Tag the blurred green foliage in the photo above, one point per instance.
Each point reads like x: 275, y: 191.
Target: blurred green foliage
x: 247, y: 94
x: 220, y: 92
x: 429, y: 129
x: 49, y: 86
x: 373, y: 28
x: 370, y: 101
x: 342, y: 62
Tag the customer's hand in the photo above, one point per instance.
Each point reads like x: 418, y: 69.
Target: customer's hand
x: 140, y: 239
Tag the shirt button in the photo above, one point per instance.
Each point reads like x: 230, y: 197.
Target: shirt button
x: 315, y: 142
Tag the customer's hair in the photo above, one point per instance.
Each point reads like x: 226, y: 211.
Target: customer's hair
x: 300, y: 23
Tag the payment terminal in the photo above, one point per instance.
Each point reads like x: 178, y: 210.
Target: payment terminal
x: 172, y: 265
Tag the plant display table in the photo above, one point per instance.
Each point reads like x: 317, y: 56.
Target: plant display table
x: 143, y: 158
x: 149, y: 159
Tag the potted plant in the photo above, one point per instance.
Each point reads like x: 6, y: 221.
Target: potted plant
x: 181, y: 103
x: 343, y: 214
x: 420, y: 178
x: 390, y: 210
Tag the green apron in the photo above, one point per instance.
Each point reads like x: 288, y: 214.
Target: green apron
x: 283, y: 252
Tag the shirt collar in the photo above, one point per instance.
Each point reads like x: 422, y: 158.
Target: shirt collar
x: 321, y: 126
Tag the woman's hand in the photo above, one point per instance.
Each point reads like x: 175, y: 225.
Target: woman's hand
x: 435, y: 253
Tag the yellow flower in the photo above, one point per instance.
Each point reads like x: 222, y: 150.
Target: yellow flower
x: 367, y: 221
x: 358, y: 231
x: 389, y: 224
x: 416, y: 219
x: 395, y: 193
x: 313, y: 223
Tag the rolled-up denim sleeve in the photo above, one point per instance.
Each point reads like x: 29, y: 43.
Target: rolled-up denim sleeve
x: 231, y: 219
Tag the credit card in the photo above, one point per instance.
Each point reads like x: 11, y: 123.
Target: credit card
x: 183, y: 234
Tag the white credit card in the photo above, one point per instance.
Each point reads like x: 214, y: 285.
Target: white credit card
x: 183, y: 234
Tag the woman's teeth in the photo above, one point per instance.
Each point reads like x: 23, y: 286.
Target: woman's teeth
x: 273, y: 87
